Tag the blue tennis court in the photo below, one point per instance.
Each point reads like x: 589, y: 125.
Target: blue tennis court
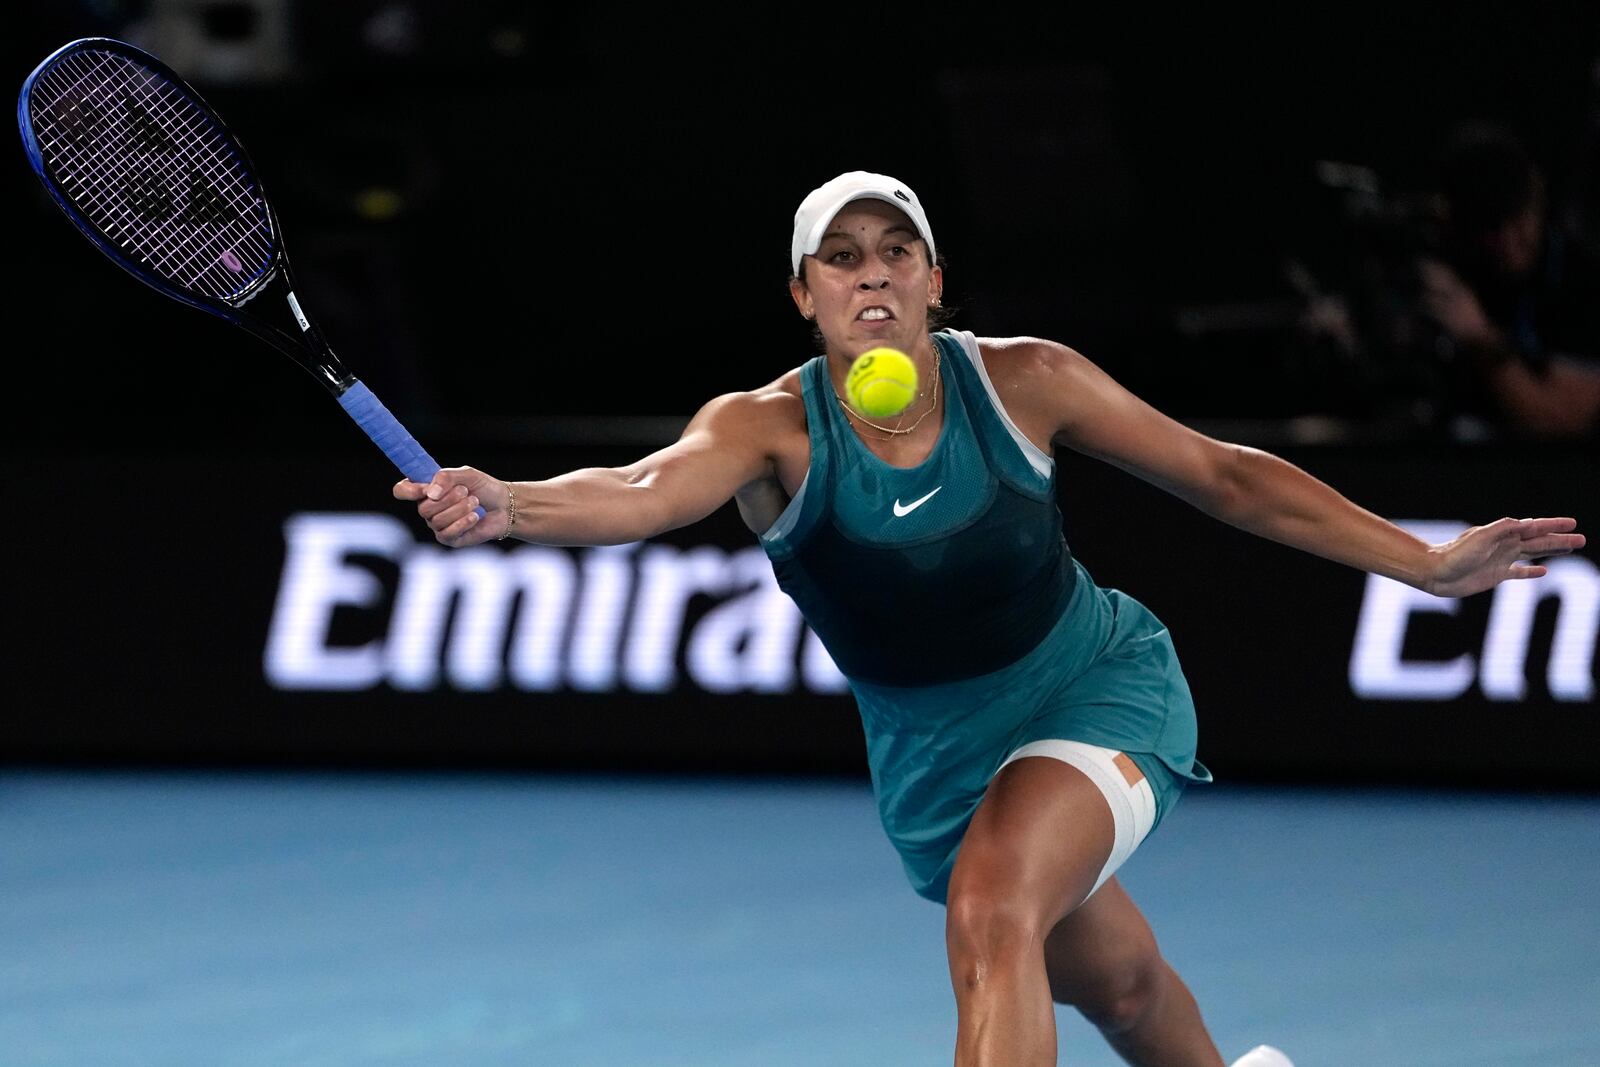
x: 242, y: 918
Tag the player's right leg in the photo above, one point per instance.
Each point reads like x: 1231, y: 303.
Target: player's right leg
x: 1102, y: 959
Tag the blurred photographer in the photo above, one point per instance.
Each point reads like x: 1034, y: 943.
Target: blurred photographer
x: 1513, y: 296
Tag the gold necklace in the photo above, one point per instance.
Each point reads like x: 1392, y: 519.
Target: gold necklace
x: 892, y: 431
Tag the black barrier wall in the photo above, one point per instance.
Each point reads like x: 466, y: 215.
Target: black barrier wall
x: 317, y: 622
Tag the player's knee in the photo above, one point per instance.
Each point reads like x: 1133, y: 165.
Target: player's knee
x: 1123, y: 997
x: 985, y: 932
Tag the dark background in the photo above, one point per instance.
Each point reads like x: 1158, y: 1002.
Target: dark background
x: 500, y: 212
x: 545, y: 237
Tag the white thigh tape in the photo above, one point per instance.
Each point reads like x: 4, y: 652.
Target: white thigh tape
x: 1133, y: 807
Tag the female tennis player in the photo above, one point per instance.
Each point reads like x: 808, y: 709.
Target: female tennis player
x: 1026, y: 729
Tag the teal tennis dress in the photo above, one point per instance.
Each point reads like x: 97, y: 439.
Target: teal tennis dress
x: 978, y: 631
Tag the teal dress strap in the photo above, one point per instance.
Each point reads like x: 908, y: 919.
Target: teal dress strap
x: 810, y: 502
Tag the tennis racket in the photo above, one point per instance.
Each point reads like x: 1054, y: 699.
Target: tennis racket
x: 151, y: 175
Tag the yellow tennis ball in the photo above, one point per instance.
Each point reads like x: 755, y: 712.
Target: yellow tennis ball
x: 882, y: 381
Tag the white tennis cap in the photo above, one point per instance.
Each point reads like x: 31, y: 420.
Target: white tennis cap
x: 825, y: 201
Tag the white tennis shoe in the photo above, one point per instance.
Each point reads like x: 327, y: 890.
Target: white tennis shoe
x: 1263, y: 1056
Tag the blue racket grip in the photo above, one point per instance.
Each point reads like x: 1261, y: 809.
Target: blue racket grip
x: 387, y: 433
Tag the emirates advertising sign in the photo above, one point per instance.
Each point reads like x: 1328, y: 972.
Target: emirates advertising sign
x: 298, y: 632
x: 607, y: 619
x: 533, y: 618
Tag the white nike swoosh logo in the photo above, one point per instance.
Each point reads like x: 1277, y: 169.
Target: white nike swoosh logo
x: 902, y: 510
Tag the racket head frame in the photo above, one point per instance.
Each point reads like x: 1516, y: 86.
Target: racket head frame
x: 265, y: 305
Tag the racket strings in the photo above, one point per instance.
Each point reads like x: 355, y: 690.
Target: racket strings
x: 79, y: 159
x: 169, y: 242
x: 132, y: 199
x: 103, y: 174
x: 151, y: 123
x: 153, y: 172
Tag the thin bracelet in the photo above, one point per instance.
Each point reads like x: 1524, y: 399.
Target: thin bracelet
x: 511, y: 511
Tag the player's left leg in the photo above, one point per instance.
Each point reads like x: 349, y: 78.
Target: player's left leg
x: 1033, y: 851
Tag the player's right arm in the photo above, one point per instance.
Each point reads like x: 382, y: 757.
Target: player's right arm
x: 727, y: 445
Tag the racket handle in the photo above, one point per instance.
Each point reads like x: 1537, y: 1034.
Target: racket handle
x: 387, y: 433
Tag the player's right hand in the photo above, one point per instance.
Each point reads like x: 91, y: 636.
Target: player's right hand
x: 449, y: 505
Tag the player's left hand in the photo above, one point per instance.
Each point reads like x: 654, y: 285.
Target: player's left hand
x: 1485, y: 556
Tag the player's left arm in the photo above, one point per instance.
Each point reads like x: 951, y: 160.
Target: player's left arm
x: 1270, y: 497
